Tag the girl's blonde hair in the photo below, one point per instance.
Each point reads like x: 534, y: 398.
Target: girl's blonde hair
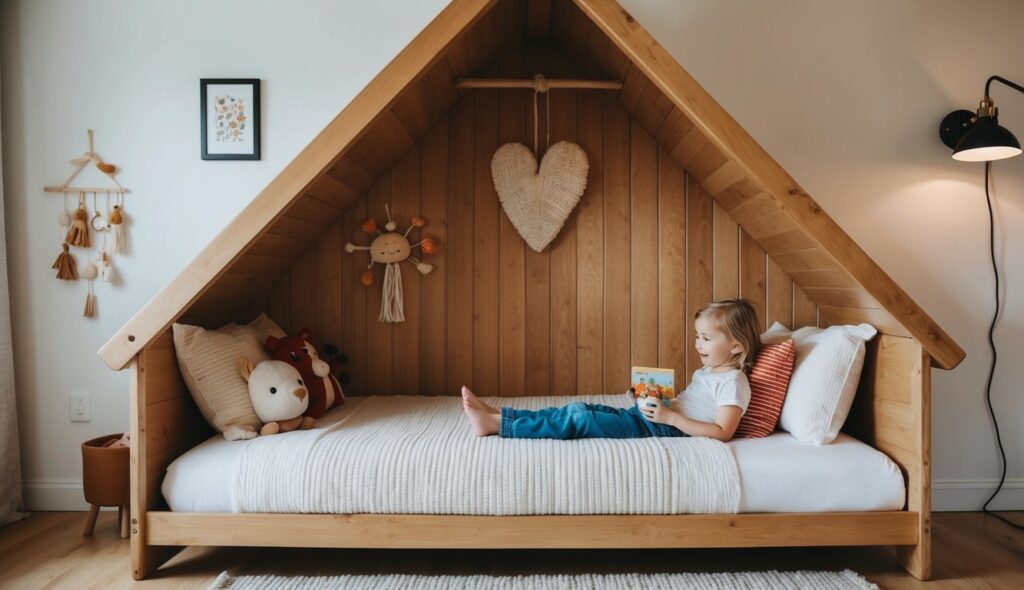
x: 737, y: 319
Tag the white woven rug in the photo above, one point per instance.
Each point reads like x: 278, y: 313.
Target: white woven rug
x: 771, y: 580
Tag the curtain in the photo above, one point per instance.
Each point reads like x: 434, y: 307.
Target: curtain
x: 10, y: 463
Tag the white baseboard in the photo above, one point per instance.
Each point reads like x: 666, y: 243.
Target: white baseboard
x: 54, y: 495
x: 966, y: 495
x: 948, y: 495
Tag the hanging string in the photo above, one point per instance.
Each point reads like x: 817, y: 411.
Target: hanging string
x: 540, y: 84
x: 65, y: 220
x: 108, y: 228
x: 103, y: 247
x: 95, y: 214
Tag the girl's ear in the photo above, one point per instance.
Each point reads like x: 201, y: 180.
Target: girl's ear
x: 736, y: 347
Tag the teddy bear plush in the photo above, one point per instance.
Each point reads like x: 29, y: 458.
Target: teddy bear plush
x: 324, y: 390
x: 278, y: 395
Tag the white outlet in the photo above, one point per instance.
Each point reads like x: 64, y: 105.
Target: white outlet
x: 79, y: 406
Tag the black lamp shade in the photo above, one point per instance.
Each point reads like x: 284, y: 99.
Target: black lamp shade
x: 987, y: 140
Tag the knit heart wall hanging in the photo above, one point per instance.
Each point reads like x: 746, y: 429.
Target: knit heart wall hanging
x: 538, y: 200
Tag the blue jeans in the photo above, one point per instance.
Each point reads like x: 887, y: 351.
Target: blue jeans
x: 581, y: 420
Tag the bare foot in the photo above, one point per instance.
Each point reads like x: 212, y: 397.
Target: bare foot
x: 483, y: 423
x: 470, y: 400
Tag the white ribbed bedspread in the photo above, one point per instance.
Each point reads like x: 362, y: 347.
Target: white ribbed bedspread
x: 417, y: 455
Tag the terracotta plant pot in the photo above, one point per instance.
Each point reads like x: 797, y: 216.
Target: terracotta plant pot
x: 105, y: 479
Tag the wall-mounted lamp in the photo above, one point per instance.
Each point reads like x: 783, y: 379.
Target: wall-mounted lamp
x: 979, y: 137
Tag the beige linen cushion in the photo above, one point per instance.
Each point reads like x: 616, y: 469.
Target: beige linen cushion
x: 257, y: 330
x: 208, y: 360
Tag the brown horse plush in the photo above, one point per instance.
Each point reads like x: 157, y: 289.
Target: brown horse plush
x: 298, y: 351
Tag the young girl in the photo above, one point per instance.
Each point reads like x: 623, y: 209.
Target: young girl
x: 726, y: 337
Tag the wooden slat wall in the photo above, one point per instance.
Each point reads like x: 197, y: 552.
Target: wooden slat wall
x: 617, y: 309
x: 646, y: 247
x: 405, y: 343
x: 433, y: 191
x: 538, y: 268
x: 564, y: 249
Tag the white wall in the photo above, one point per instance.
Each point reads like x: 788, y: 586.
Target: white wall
x: 847, y: 97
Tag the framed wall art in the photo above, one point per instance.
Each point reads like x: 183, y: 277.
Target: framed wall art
x: 230, y: 118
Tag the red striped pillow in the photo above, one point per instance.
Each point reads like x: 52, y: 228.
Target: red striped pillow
x: 769, y: 380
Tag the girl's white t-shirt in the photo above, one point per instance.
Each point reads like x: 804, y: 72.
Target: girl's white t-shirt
x: 707, y: 391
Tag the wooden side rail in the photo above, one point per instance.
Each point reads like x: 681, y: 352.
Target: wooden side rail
x: 597, y: 531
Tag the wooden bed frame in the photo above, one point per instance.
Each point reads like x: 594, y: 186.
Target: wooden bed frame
x: 745, y: 228
x: 892, y: 414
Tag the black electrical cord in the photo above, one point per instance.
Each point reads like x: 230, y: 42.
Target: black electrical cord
x: 992, y: 345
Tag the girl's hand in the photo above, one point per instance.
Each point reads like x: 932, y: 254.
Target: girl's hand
x: 659, y: 413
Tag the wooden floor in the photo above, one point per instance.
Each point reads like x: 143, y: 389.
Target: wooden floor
x: 971, y: 551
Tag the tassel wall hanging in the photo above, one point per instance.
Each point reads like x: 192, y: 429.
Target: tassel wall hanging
x: 78, y: 233
x: 391, y: 248
x: 76, y: 227
x: 65, y: 265
x: 89, y: 273
x: 118, y: 245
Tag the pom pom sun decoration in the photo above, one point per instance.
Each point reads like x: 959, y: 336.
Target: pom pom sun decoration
x: 391, y: 248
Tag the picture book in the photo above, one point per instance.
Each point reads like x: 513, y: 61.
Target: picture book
x: 651, y: 385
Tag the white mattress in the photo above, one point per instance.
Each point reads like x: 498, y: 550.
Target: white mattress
x: 777, y: 474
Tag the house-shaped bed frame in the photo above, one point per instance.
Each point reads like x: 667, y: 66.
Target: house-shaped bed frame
x: 682, y: 206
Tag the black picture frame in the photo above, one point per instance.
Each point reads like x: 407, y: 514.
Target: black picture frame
x: 251, y: 120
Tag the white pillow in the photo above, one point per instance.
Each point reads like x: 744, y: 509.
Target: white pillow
x: 825, y: 377
x: 208, y: 360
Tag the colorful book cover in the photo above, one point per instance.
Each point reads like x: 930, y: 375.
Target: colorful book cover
x: 651, y: 384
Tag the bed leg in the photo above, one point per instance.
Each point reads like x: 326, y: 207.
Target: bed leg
x: 917, y: 559
x: 147, y: 558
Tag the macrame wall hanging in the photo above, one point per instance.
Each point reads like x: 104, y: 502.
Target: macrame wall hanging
x: 77, y: 227
x: 391, y: 248
x: 539, y: 201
